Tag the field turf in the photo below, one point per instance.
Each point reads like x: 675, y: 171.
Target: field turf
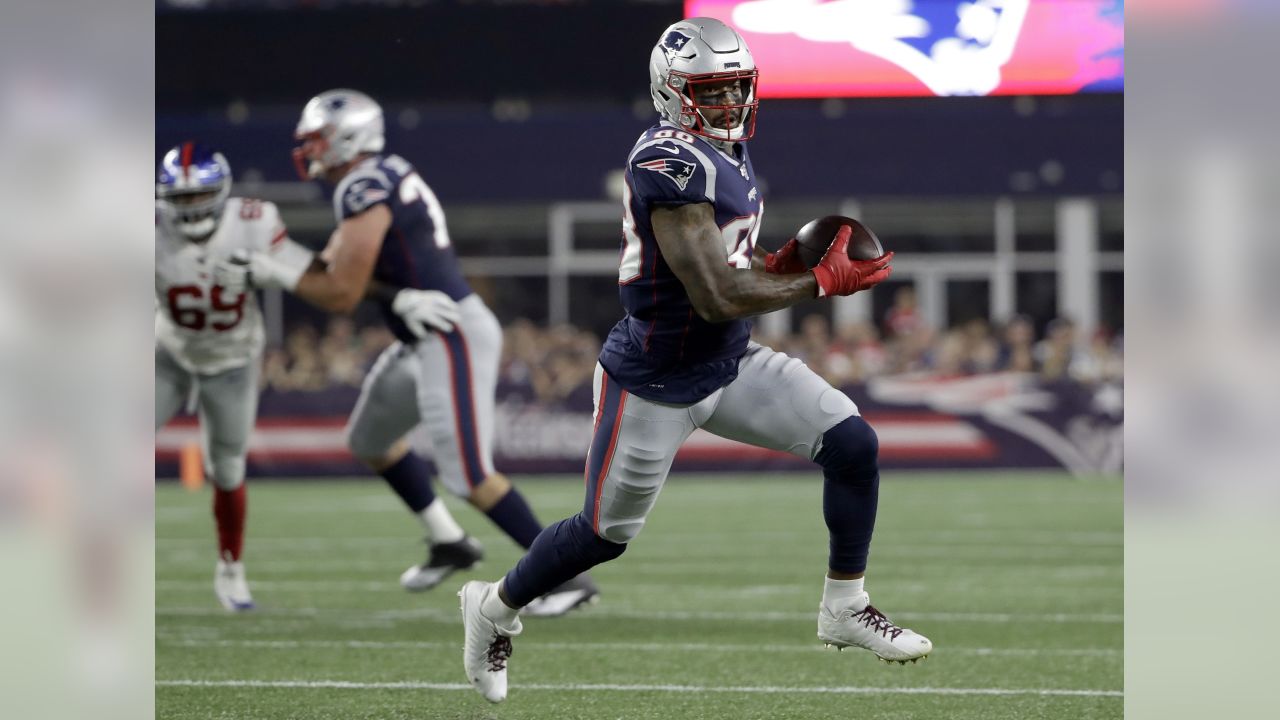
x: 711, y: 613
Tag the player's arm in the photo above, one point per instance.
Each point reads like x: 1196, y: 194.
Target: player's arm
x: 271, y: 260
x: 422, y: 311
x: 340, y: 283
x: 691, y: 243
x: 692, y: 246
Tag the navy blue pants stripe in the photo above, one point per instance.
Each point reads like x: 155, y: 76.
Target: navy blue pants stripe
x: 464, y: 410
x: 604, y: 441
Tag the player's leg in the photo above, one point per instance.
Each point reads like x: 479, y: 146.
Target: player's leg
x: 779, y: 403
x: 501, y: 501
x: 633, y: 444
x: 173, y: 386
x: 459, y: 372
x: 228, y: 406
x: 385, y: 413
x: 632, y: 447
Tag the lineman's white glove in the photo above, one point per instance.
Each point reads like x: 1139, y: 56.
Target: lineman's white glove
x: 426, y: 310
x: 246, y: 270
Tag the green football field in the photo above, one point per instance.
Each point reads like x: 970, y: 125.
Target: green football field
x: 711, y: 613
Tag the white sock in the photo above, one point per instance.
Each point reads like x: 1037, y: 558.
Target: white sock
x: 839, y: 595
x: 493, y: 608
x: 440, y: 525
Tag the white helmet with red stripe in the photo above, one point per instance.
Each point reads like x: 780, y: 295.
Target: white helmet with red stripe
x: 192, y: 187
x: 335, y: 127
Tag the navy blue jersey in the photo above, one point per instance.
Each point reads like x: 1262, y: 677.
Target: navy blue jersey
x: 416, y: 252
x: 662, y: 350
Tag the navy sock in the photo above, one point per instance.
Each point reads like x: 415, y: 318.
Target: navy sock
x: 562, y: 552
x: 516, y: 519
x: 411, y: 480
x: 850, y: 492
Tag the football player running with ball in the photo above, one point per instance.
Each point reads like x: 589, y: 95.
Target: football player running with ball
x: 681, y: 358
x: 209, y: 336
x: 392, y: 245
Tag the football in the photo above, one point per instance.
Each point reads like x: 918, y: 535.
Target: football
x: 816, y: 236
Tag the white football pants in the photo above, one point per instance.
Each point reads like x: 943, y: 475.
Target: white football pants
x: 776, y: 402
x: 228, y: 404
x: 446, y: 382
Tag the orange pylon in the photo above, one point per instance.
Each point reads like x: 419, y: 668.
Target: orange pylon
x: 191, y: 467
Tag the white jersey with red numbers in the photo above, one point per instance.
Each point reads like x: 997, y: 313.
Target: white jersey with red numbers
x: 205, y: 328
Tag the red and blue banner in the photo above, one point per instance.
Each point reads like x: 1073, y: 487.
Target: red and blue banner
x: 1001, y: 420
x: 894, y: 48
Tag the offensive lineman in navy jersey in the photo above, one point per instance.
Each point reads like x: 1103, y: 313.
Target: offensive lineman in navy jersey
x: 392, y: 245
x: 690, y: 277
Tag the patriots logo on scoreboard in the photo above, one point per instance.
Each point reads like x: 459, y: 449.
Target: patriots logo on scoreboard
x: 674, y: 42
x: 952, y: 46
x: 677, y: 171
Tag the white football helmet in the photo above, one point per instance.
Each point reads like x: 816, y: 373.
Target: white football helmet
x: 335, y: 127
x: 704, y: 52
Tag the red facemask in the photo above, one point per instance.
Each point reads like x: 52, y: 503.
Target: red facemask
x: 313, y: 146
x: 693, y: 115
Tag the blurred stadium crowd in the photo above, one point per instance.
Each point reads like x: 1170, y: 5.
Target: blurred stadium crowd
x: 551, y: 364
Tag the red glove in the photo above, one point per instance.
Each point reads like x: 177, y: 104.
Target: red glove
x: 838, y: 275
x: 786, y: 261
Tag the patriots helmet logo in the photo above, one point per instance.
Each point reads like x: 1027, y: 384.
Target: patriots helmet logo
x: 953, y: 47
x: 674, y: 42
x: 677, y: 171
x: 362, y: 195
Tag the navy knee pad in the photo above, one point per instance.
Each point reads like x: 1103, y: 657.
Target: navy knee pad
x: 849, y: 452
x: 590, y: 545
x: 850, y: 491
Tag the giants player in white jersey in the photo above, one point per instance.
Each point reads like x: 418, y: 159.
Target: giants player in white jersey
x: 392, y: 246
x: 209, y: 337
x: 691, y: 276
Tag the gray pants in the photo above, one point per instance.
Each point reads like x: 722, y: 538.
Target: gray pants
x: 443, y: 382
x: 228, y: 403
x: 776, y: 402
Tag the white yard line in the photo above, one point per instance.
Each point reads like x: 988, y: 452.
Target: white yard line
x: 677, y: 544
x: 570, y: 687
x: 196, y: 642
x: 717, y: 593
x: 906, y: 616
x: 452, y: 616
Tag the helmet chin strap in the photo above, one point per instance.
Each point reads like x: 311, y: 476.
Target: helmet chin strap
x: 725, y: 145
x: 725, y: 139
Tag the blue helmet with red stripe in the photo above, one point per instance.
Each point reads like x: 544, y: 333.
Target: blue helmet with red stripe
x: 192, y: 187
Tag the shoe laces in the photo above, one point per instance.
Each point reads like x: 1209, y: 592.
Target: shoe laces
x: 877, y: 622
x: 499, y: 651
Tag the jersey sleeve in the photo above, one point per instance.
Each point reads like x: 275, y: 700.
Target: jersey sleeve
x: 361, y: 191
x: 669, y: 173
x: 277, y: 243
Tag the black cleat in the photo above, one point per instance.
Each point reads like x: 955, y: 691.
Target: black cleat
x: 443, y: 560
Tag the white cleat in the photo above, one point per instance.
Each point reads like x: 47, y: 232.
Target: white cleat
x: 487, y: 646
x: 231, y: 587
x: 575, y: 593
x: 868, y: 628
